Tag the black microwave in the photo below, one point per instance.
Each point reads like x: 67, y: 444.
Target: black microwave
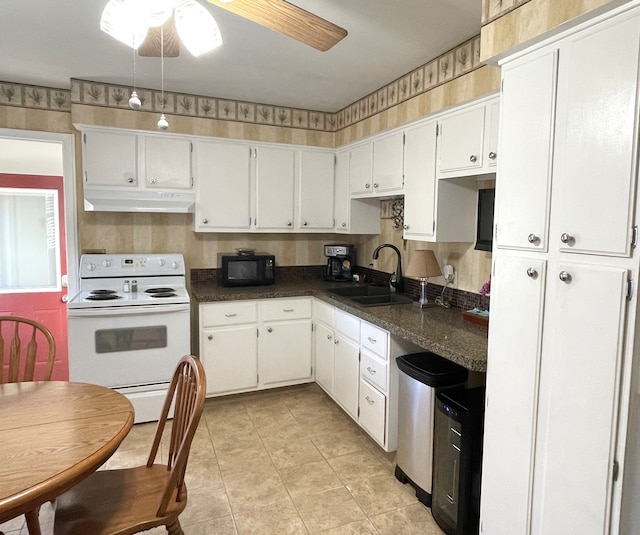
x: 246, y: 269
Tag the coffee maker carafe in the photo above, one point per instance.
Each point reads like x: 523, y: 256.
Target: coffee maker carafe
x: 340, y: 261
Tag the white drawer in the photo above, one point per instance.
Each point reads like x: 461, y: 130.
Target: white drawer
x: 374, y: 370
x: 347, y: 324
x: 232, y: 313
x: 372, y: 406
x: 285, y: 309
x: 323, y: 312
x: 374, y: 339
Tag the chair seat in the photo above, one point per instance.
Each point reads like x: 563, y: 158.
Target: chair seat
x: 117, y: 502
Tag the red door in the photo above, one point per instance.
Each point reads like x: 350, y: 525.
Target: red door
x: 41, y: 302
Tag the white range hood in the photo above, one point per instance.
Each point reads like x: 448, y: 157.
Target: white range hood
x: 117, y: 200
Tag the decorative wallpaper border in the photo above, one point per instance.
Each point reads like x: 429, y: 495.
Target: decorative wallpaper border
x: 494, y: 9
x: 458, y: 61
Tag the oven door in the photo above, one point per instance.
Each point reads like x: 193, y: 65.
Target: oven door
x: 127, y: 346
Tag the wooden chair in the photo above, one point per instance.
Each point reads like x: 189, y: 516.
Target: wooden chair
x: 122, y: 502
x: 19, y: 339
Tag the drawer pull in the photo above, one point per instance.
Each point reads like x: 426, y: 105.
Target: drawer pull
x: 288, y: 309
x: 369, y: 400
x: 372, y: 372
x: 269, y: 329
x: 210, y: 337
x: 328, y: 337
x: 372, y: 340
x: 231, y: 315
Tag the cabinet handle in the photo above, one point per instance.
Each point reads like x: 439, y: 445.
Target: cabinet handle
x: 565, y: 276
x: 372, y: 372
x: 205, y: 221
x: 288, y: 309
x: 473, y: 158
x: 231, y: 315
x: 372, y: 340
x: 532, y: 238
x: 269, y: 329
x: 367, y: 186
x: 304, y: 224
x: 532, y: 273
x: 344, y: 225
x: 336, y: 341
x: 369, y: 400
x: 492, y: 155
x: 152, y: 181
x: 405, y: 227
x: 130, y: 180
x: 329, y: 337
x: 288, y: 223
x: 375, y: 184
x: 567, y: 238
x: 210, y: 337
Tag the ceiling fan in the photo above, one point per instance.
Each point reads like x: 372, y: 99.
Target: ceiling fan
x: 170, y: 21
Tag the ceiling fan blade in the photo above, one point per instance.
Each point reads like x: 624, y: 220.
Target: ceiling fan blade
x: 287, y: 19
x: 151, y: 46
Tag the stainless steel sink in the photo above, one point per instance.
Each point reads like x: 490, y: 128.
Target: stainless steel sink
x: 371, y: 296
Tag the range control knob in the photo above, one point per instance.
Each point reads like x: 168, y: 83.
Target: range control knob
x: 106, y: 262
x: 161, y: 262
x: 175, y: 265
x: 90, y: 266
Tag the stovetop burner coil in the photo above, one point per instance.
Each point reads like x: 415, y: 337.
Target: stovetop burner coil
x: 160, y: 291
x: 102, y: 296
x: 102, y: 292
x: 164, y: 294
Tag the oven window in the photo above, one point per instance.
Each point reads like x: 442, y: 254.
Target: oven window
x: 130, y: 339
x: 243, y: 271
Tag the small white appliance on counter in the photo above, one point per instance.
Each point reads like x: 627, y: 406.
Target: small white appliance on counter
x: 129, y: 325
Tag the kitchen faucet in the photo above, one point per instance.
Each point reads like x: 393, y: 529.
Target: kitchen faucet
x: 395, y: 282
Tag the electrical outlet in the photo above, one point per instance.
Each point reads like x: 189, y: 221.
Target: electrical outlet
x: 448, y: 273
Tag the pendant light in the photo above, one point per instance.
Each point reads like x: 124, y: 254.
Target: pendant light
x: 134, y: 100
x: 163, y: 124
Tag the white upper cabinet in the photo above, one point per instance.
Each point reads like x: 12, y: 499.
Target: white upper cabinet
x: 524, y: 174
x: 223, y: 174
x: 342, y: 196
x: 110, y: 158
x: 388, y: 155
x: 361, y: 169
x: 275, y: 182
x: 467, y: 140
x: 316, y: 190
x: 167, y: 162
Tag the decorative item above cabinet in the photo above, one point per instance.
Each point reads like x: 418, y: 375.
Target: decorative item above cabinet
x: 135, y: 171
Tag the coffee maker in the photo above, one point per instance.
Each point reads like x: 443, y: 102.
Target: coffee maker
x: 340, y: 261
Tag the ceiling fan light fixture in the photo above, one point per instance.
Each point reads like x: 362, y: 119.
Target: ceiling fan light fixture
x: 156, y: 12
x: 121, y: 20
x: 196, y: 27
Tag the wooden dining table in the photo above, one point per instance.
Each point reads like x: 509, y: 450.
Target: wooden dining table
x: 53, y: 435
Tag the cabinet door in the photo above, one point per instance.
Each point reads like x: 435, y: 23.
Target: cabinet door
x: 167, y: 162
x: 461, y: 141
x: 275, y: 174
x: 492, y: 126
x: 323, y: 344
x: 285, y: 351
x: 342, y: 191
x: 388, y: 163
x: 229, y: 357
x: 361, y: 169
x: 523, y: 184
x: 596, y: 140
x: 223, y: 174
x: 315, y: 196
x: 513, y: 362
x: 372, y: 413
x: 110, y: 158
x: 346, y: 375
x: 579, y: 388
x: 420, y: 180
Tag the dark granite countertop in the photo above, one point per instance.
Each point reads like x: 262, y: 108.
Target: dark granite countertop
x: 440, y: 330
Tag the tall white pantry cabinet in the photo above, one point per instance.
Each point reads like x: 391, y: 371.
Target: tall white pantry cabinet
x: 559, y: 445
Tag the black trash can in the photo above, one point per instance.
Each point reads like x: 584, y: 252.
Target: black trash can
x: 421, y: 376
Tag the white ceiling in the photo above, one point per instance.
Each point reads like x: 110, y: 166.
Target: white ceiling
x: 48, y: 42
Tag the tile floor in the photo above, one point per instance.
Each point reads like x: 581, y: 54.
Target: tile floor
x: 287, y: 461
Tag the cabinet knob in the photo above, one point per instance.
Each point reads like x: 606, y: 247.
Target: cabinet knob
x: 367, y: 186
x: 473, y: 158
x: 564, y: 276
x: 152, y: 181
x: 567, y: 238
x: 130, y: 180
x: 532, y: 238
x: 492, y: 155
x: 269, y: 330
x: 210, y: 337
x: 336, y: 341
x: 329, y: 337
x: 375, y: 184
x: 532, y: 273
x: 304, y: 224
x: 405, y: 227
x: 344, y: 225
x: 205, y: 221
x: 288, y: 223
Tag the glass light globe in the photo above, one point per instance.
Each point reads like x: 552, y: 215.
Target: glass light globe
x: 163, y: 124
x: 134, y: 101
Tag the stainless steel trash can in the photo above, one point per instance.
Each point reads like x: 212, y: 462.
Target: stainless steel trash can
x: 421, y: 376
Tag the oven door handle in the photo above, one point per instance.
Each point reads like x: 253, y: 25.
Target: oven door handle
x: 126, y: 310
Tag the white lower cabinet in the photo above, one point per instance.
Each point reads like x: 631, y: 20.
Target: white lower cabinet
x: 347, y: 362
x: 253, y: 345
x: 373, y: 410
